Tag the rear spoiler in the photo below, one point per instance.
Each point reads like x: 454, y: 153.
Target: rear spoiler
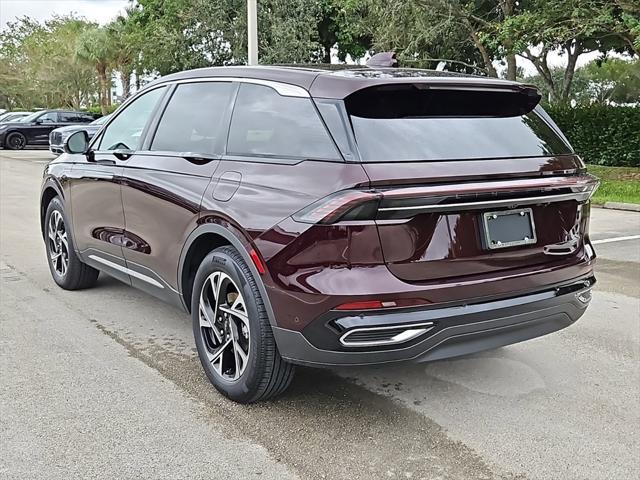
x: 443, y: 100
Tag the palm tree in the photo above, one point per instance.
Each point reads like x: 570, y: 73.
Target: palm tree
x: 95, y: 48
x: 125, y: 48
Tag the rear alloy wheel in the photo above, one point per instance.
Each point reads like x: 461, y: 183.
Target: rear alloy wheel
x: 16, y: 141
x: 224, y: 326
x: 232, y: 330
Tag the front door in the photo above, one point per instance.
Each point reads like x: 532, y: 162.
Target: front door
x: 38, y: 133
x: 98, y: 219
x: 96, y: 187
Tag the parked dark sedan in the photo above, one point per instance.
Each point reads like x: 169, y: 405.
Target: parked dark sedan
x: 58, y: 136
x: 328, y: 218
x: 34, y: 129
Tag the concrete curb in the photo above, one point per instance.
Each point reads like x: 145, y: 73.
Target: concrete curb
x: 629, y: 207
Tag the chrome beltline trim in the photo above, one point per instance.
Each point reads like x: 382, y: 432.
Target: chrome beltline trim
x: 126, y: 270
x: 510, y: 202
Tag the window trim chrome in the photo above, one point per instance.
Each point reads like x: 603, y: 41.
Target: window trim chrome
x: 283, y: 89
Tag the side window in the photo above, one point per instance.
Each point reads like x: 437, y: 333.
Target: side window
x: 69, y: 117
x: 50, y: 117
x: 84, y: 118
x: 266, y: 123
x: 125, y: 132
x: 337, y: 125
x: 192, y: 121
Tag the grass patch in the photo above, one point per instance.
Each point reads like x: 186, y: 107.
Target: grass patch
x: 617, y: 184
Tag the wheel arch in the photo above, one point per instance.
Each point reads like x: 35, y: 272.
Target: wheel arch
x: 50, y: 190
x: 200, y: 242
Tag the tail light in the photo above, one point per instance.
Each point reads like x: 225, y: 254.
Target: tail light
x: 347, y: 205
x: 353, y: 205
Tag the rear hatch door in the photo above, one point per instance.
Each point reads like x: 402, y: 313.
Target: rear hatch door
x: 473, y: 181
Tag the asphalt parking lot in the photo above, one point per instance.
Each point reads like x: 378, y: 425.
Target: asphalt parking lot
x: 105, y: 383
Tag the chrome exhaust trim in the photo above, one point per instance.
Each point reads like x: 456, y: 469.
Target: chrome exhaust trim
x: 387, y: 335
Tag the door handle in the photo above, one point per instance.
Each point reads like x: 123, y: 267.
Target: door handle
x: 122, y: 154
x: 100, y: 161
x: 199, y: 159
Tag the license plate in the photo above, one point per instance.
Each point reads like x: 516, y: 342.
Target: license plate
x: 509, y: 228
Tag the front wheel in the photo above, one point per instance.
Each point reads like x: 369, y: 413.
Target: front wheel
x: 67, y: 270
x: 16, y: 141
x: 232, y: 330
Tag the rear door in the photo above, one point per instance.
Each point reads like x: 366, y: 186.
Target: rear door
x: 74, y: 118
x: 473, y: 182
x: 163, y: 184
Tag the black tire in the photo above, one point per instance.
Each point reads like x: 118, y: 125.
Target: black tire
x: 16, y: 141
x: 77, y: 275
x: 266, y: 374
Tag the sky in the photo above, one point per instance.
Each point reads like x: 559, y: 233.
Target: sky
x: 102, y: 11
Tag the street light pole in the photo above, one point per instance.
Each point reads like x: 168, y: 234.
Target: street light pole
x: 252, y: 32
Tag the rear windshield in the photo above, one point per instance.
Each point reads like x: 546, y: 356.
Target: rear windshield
x: 410, y: 124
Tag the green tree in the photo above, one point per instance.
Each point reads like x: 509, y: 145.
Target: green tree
x: 424, y: 31
x: 125, y: 45
x: 95, y: 48
x: 183, y: 34
x: 629, y: 30
x: 612, y: 80
x: 341, y: 26
x: 571, y: 27
x: 38, y: 67
x: 287, y: 32
x: 602, y: 81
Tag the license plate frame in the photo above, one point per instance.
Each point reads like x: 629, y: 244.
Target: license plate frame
x: 495, y: 224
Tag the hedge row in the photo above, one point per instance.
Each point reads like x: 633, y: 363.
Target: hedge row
x: 601, y: 134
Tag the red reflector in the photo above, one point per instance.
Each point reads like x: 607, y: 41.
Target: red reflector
x: 373, y: 304
x: 257, y: 262
x: 366, y: 305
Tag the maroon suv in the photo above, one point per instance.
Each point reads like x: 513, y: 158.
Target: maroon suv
x: 326, y: 218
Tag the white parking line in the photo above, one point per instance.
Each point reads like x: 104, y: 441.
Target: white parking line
x: 616, y: 239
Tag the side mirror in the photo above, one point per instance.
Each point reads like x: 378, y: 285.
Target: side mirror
x: 37, y: 121
x: 77, y: 142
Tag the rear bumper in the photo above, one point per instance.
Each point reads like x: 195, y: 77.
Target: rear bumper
x: 456, y: 330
